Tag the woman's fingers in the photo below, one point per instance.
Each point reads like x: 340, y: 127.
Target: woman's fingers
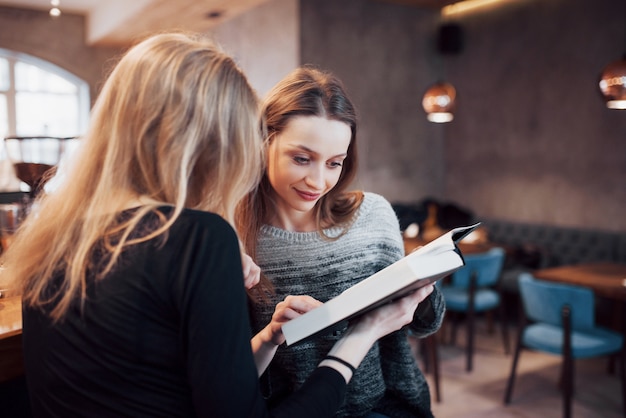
x: 391, y: 317
x: 301, y: 303
x: 291, y: 307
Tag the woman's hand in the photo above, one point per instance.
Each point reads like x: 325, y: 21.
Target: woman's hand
x: 265, y: 343
x: 389, y: 318
x: 361, y: 335
x: 251, y: 272
x: 291, y: 307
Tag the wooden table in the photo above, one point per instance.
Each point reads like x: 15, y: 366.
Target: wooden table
x: 606, y: 279
x: 11, y: 361
x: 10, y: 315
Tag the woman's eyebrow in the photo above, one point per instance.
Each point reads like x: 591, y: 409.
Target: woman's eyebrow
x: 304, y: 148
x: 309, y: 150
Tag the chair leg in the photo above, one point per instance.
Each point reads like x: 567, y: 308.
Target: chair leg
x: 567, y: 384
x: 511, y: 381
x: 505, y: 329
x: 521, y: 324
x: 470, y: 339
x: 470, y: 323
x: 428, y: 351
x: 622, y: 369
x: 455, y: 320
x: 433, y: 352
x: 568, y: 363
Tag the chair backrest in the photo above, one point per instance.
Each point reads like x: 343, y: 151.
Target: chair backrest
x: 487, y: 266
x: 543, y: 301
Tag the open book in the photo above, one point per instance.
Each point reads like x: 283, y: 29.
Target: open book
x: 432, y: 262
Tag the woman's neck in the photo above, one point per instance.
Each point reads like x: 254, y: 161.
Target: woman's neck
x: 294, y: 221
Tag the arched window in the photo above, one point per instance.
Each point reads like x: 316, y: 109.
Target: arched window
x: 38, y: 98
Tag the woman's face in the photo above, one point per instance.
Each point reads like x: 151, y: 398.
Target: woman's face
x: 304, y: 163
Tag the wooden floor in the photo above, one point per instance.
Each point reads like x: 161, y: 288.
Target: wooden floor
x: 480, y: 393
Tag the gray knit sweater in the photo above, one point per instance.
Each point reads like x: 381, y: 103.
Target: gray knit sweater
x: 388, y: 380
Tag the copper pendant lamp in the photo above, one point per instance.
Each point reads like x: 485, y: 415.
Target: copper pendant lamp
x: 439, y: 102
x: 613, y: 84
x: 613, y: 80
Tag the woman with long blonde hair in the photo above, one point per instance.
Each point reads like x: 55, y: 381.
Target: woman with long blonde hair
x: 130, y: 270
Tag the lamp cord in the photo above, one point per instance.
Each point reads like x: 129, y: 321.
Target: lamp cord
x: 624, y: 11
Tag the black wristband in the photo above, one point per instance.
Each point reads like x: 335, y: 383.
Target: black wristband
x: 342, y: 361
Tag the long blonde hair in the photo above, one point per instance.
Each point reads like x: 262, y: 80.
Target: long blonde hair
x: 176, y: 124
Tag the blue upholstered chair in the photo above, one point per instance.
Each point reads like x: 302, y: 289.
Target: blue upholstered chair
x: 473, y: 289
x: 560, y: 319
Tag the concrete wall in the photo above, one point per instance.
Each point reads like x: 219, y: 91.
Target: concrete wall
x: 381, y: 52
x: 264, y: 41
x: 531, y: 141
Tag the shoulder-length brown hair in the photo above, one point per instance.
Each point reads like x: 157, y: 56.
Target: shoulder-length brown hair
x: 306, y: 91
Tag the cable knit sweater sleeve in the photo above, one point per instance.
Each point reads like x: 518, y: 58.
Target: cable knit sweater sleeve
x: 429, y: 315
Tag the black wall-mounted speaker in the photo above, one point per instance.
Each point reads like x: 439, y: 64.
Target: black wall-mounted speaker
x: 450, y: 38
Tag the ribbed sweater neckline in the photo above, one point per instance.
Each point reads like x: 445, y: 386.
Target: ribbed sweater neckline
x: 313, y: 236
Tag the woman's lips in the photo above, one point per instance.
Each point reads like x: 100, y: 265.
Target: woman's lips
x: 308, y: 196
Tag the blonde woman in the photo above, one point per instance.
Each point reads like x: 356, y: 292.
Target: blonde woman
x: 130, y: 270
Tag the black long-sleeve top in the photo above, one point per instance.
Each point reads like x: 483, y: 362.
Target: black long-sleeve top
x: 165, y: 334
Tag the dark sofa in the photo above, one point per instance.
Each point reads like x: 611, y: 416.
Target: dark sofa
x: 533, y: 246
x: 559, y: 245
x: 529, y: 246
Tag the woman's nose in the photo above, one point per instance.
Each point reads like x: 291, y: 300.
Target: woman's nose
x: 315, y: 177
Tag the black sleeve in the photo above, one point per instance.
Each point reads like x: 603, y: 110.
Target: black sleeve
x: 320, y: 396
x: 216, y: 332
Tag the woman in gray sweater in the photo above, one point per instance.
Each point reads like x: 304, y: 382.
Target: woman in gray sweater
x: 310, y: 236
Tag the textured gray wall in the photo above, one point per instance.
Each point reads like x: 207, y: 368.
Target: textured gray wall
x: 380, y: 51
x: 265, y: 42
x: 531, y: 140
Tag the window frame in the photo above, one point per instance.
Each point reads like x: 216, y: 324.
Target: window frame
x: 82, y: 88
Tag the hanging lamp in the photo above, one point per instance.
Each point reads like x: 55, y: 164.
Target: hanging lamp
x: 613, y: 84
x: 613, y: 80
x: 55, y: 11
x: 439, y: 102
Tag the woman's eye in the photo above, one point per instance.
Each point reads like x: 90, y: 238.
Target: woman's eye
x: 300, y: 160
x: 335, y: 164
